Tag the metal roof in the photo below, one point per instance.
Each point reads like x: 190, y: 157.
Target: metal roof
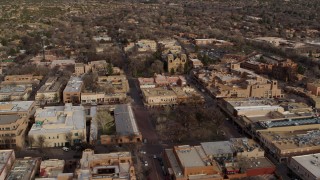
x: 124, y: 120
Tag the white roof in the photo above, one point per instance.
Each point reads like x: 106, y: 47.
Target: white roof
x: 216, y: 148
x: 190, y: 158
x: 68, y: 118
x: 310, y: 162
x: 63, y: 61
x: 74, y: 85
x: 15, y: 106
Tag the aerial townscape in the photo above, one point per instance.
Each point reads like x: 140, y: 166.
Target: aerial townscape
x: 159, y: 90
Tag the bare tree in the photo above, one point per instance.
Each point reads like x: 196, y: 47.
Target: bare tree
x: 31, y: 141
x: 104, y: 120
x: 69, y: 137
x: 82, y: 138
x: 41, y: 142
x: 75, y: 100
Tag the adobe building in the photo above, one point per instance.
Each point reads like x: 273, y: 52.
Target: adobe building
x: 292, y: 140
x: 7, y: 158
x: 72, y: 92
x: 306, y: 166
x: 25, y: 168
x: 51, y: 168
x: 111, y: 166
x: 175, y: 62
x: 20, y: 108
x: 126, y: 128
x: 50, y: 92
x: 13, y: 131
x: 187, y: 162
x: 314, y: 88
x: 59, y: 125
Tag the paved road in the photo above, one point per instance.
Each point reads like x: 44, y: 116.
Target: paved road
x: 153, y: 146
x: 71, y: 157
x: 148, y: 131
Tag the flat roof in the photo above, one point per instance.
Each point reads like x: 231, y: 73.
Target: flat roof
x: 195, y: 60
x: 4, y: 157
x: 244, y: 144
x: 63, y: 61
x: 293, y: 138
x: 13, y: 88
x: 146, y: 81
x: 173, y: 162
x: 218, y: 147
x: 74, y: 85
x: 79, y: 65
x: 15, y: 106
x: 310, y: 162
x: 56, y: 163
x: 189, y: 157
x: 23, y: 169
x: 51, y: 168
x: 257, y: 162
x: 8, y: 119
x: 125, y: 121
x: 68, y: 118
x: 50, y: 86
x: 243, y: 102
x: 157, y: 92
x: 290, y: 122
x: 86, y: 159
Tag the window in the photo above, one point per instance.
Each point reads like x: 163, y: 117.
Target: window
x: 76, y: 134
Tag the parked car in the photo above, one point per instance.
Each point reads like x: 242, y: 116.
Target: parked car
x: 65, y: 149
x: 154, y: 156
x: 145, y: 163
